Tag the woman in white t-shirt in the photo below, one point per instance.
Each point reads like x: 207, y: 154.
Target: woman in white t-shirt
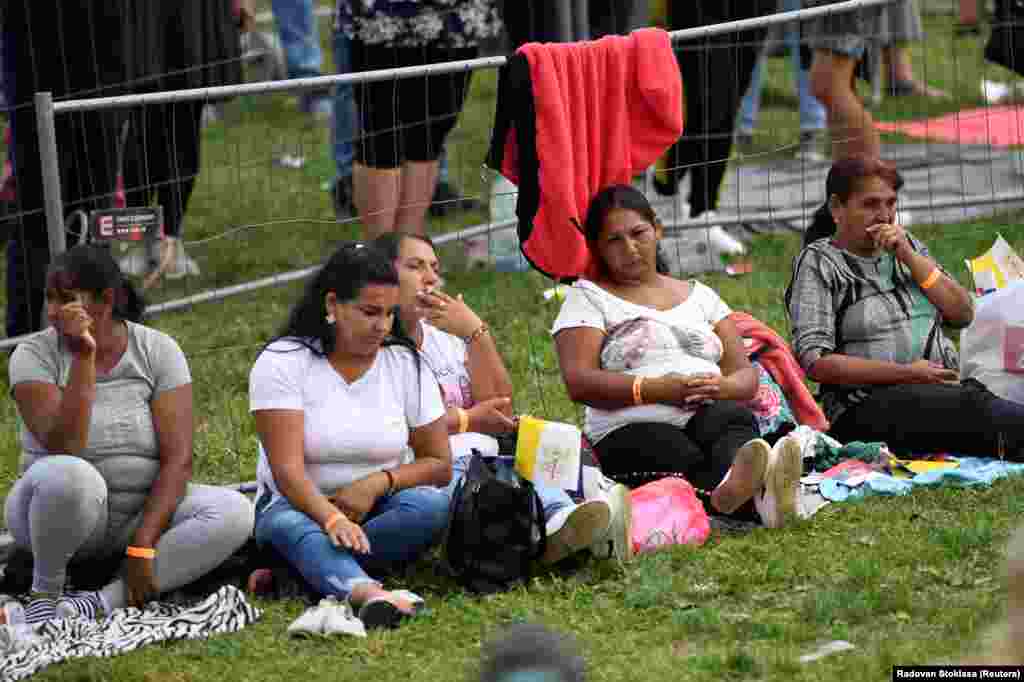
x: 337, y: 399
x: 663, y: 371
x: 477, y: 391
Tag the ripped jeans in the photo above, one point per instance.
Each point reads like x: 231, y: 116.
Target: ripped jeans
x: 400, y: 528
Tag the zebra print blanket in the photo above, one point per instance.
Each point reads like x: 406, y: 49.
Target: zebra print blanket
x: 30, y: 650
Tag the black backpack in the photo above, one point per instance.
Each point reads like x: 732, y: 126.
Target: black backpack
x: 495, y: 529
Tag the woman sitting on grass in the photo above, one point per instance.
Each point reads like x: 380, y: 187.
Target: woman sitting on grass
x: 461, y: 350
x: 662, y: 372
x: 867, y: 304
x: 106, y: 436
x: 337, y: 399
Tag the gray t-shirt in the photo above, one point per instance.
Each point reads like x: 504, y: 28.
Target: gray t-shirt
x: 122, y: 441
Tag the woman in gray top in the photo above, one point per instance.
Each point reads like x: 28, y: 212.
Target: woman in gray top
x: 106, y: 410
x: 867, y: 305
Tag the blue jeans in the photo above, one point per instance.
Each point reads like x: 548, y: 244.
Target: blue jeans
x: 553, y: 500
x: 812, y: 113
x: 400, y: 528
x: 344, y: 110
x: 300, y: 38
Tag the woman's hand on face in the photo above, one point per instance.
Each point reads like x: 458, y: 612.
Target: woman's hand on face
x: 892, y: 238
x: 927, y: 372
x: 139, y: 581
x: 487, y: 416
x: 449, y: 314
x: 356, y: 499
x: 75, y: 323
x: 350, y: 535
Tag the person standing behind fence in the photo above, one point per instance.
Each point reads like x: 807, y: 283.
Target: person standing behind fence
x: 172, y: 46
x: 67, y: 49
x: 716, y: 71
x: 404, y: 123
x: 812, y: 114
x: 106, y: 436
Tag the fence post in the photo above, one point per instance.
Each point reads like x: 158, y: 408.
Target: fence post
x: 51, y: 174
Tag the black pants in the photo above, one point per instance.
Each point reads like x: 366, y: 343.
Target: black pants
x: 407, y: 119
x: 161, y: 158
x: 702, y: 452
x: 929, y: 418
x: 716, y: 73
x: 69, y: 49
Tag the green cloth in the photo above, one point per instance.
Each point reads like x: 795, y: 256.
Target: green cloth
x: 827, y: 456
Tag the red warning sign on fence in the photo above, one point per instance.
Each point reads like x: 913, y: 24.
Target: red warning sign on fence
x: 127, y: 224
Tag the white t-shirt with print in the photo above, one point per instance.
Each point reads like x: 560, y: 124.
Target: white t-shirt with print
x: 447, y: 355
x: 644, y: 341
x: 350, y: 430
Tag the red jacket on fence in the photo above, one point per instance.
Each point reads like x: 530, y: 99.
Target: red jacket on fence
x: 573, y: 118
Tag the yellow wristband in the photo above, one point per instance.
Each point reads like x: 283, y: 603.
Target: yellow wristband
x: 931, y: 279
x: 333, y: 521
x: 463, y: 420
x: 638, y: 396
x: 141, y: 552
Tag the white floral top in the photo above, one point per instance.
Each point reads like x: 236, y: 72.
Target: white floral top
x: 419, y: 23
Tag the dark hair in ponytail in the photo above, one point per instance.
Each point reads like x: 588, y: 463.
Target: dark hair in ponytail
x: 352, y: 267
x: 843, y: 179
x: 91, y: 267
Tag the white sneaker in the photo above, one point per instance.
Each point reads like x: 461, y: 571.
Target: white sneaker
x: 745, y: 477
x: 617, y: 542
x: 777, y: 504
x: 339, y: 619
x: 720, y: 241
x: 311, y: 622
x: 571, y: 530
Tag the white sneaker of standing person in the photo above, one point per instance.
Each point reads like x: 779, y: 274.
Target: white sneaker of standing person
x: 617, y: 542
x: 719, y: 240
x: 575, y: 528
x: 777, y: 502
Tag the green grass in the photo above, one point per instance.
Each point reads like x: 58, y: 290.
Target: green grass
x: 909, y: 580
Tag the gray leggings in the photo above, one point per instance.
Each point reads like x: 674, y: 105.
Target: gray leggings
x: 58, y: 509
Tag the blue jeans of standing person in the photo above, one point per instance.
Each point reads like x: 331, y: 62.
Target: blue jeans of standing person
x: 812, y: 113
x: 344, y: 110
x: 553, y: 500
x: 400, y: 527
x: 300, y: 38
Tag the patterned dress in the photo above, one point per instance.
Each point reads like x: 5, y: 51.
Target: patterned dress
x: 420, y: 23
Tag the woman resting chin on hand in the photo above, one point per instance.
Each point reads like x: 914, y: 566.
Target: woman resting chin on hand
x: 106, y: 404
x: 867, y: 305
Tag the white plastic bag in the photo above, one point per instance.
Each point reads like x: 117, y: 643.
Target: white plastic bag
x: 992, y: 348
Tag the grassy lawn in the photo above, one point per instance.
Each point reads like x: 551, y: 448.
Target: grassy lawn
x: 911, y: 580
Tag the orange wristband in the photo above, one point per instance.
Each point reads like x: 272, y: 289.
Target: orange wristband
x: 931, y: 279
x: 141, y: 552
x: 463, y: 420
x: 638, y: 396
x: 333, y: 521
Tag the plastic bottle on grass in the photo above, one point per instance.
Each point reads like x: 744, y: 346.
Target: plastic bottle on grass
x: 504, y: 244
